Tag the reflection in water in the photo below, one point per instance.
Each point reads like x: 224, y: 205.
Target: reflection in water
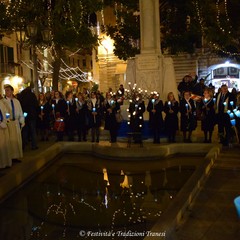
x: 64, y: 200
x: 125, y: 183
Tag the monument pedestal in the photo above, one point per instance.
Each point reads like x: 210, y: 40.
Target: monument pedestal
x: 149, y: 72
x: 153, y: 72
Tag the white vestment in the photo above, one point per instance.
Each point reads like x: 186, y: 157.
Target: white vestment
x: 14, y: 127
x: 5, y: 158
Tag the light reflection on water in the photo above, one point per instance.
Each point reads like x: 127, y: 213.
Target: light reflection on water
x: 89, y: 194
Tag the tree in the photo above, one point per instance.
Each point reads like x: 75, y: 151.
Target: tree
x: 179, y: 28
x: 220, y: 24
x: 184, y: 24
x: 126, y: 32
x: 67, y: 20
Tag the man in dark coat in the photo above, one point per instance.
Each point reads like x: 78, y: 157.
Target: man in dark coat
x: 29, y: 105
x: 224, y: 102
x: 111, y: 107
x: 155, y: 108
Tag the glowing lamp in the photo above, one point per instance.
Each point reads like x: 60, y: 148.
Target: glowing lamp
x: 76, y: 99
x: 25, y: 114
x: 225, y: 104
x: 231, y: 103
x: 7, y: 116
x: 94, y: 109
x: 231, y: 115
x: 233, y: 122
x: 237, y: 205
x: 238, y: 113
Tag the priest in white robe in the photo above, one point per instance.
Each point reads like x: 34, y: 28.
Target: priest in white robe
x: 5, y: 157
x: 16, y: 122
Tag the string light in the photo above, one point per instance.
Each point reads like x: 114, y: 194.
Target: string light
x: 64, y: 73
x: 199, y: 16
x: 226, y: 14
x: 218, y: 48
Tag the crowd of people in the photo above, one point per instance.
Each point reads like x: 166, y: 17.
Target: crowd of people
x: 26, y: 116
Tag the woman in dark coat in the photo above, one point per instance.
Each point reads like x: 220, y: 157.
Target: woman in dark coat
x: 171, y: 108
x: 70, y: 116
x: 81, y: 120
x: 207, y: 115
x: 44, y: 116
x: 95, y: 116
x: 59, y: 104
x: 155, y: 108
x: 188, y: 116
x: 59, y: 109
x: 111, y: 107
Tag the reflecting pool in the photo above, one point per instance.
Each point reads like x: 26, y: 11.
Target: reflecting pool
x: 81, y: 196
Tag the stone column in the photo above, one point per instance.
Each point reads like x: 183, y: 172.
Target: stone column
x: 150, y: 70
x: 150, y: 26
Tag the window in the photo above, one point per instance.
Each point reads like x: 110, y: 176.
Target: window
x: 84, y: 62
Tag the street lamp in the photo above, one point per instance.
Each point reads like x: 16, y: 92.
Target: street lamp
x: 31, y: 32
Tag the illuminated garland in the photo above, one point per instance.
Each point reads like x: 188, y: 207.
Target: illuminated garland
x: 218, y: 15
x: 64, y: 73
x: 199, y: 16
x: 223, y: 51
x: 200, y: 19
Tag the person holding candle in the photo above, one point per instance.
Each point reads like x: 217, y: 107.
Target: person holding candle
x: 188, y: 116
x: 94, y: 113
x: 70, y: 116
x: 171, y: 108
x: 224, y: 101
x: 59, y: 110
x: 16, y: 122
x: 44, y: 116
x: 155, y: 108
x: 237, y: 114
x: 208, y: 117
x: 59, y: 103
x: 110, y: 108
x: 82, y: 117
x: 5, y: 156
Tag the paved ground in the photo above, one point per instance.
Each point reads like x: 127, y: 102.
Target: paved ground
x: 213, y: 215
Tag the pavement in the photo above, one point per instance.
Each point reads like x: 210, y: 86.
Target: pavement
x: 213, y: 215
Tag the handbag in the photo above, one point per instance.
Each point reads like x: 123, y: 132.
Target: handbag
x: 119, y: 117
